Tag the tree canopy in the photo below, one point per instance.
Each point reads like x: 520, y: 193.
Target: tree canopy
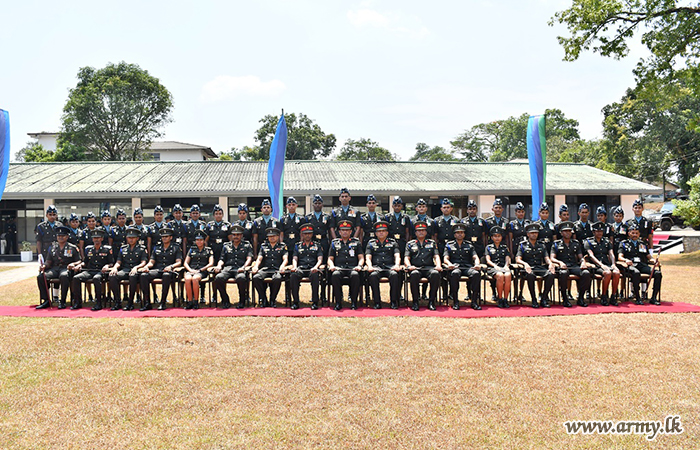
x: 364, y: 149
x: 114, y: 113
x: 305, y: 139
x: 426, y: 153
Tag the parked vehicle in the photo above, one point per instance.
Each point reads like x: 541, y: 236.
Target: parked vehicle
x: 665, y: 219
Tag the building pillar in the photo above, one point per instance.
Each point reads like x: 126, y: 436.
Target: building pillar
x: 223, y: 202
x: 485, y: 204
x: 135, y: 203
x: 626, y: 203
x: 309, y: 204
x: 47, y: 202
x: 558, y: 201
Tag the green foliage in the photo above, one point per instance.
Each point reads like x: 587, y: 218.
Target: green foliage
x: 305, y: 139
x: 243, y: 154
x: 504, y: 140
x: 34, y: 152
x: 689, y: 210
x: 114, y: 113
x: 425, y: 153
x: 364, y: 150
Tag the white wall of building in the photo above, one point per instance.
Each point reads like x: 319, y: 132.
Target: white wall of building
x: 180, y: 155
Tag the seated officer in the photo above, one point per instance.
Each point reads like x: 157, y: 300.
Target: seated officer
x: 345, y: 260
x: 130, y: 258
x: 568, y: 255
x: 422, y: 261
x: 271, y: 263
x: 197, y: 263
x: 600, y: 252
x: 236, y: 256
x: 498, y: 262
x: 383, y: 260
x: 306, y: 260
x: 62, y: 257
x: 165, y: 258
x: 96, y: 265
x: 532, y: 254
x: 635, y: 254
x: 461, y: 260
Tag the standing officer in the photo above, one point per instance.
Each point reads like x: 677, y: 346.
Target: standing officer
x: 46, y: 232
x: 367, y: 221
x: 635, y: 254
x: 399, y: 224
x: 164, y: 259
x: 198, y: 261
x: 262, y: 223
x: 383, y: 260
x: 422, y: 260
x: 245, y: 222
x: 195, y: 224
x: 476, y: 229
x: 86, y: 237
x: 644, y: 226
x: 154, y: 234
x: 422, y: 216
x: 600, y: 252
x: 497, y: 220
x: 563, y: 217
x: 345, y: 260
x: 179, y: 228
x: 107, y: 223
x: 143, y: 229
x: 602, y: 215
x: 532, y: 254
x: 306, y: 260
x: 130, y: 258
x: 567, y: 253
x: 75, y: 231
x: 321, y: 223
x: 290, y: 223
x: 345, y: 212
x: 582, y: 227
x: 461, y: 260
x: 444, y: 224
x: 619, y: 228
x: 235, y: 258
x: 218, y: 232
x: 271, y: 263
x: 96, y: 265
x: 547, y: 232
x: 118, y: 236
x: 61, y: 258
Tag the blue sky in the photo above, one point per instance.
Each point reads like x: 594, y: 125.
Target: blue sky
x: 397, y: 72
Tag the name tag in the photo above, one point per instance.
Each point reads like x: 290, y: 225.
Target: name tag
x: 474, y: 238
x: 219, y: 240
x: 318, y: 236
x: 636, y: 259
x: 352, y: 252
x: 178, y: 241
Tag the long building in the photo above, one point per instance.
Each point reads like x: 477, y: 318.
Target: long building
x: 80, y: 187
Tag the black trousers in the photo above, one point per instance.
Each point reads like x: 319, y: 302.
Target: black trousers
x: 295, y: 282
x: 146, y: 279
x: 241, y: 281
x: 474, y: 282
x: 60, y: 273
x: 114, y: 282
x: 582, y: 284
x: 345, y: 276
x: 394, y: 284
x: 548, y: 281
x: 259, y: 284
x: 433, y: 277
x: 95, y: 276
x: 635, y: 272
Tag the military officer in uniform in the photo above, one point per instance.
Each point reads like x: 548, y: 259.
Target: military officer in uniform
x: 442, y: 226
x: 306, y: 262
x: 245, y: 223
x: 86, y: 237
x: 476, y: 228
x: 46, y: 231
x: 547, y: 232
x: 106, y: 219
x: 290, y: 223
x: 118, y: 236
x: 367, y: 221
x: 165, y: 258
x: 563, y: 217
x: 636, y: 255
x: 345, y: 260
x: 422, y: 216
x: 262, y: 223
x: 383, y: 259
x: 602, y: 215
x: 345, y: 212
x: 516, y: 228
x: 399, y: 224
x: 154, y: 234
x: 321, y: 223
x: 497, y: 220
x: 644, y: 226
x: 130, y: 258
x: 179, y: 228
x: 567, y: 253
x: 422, y: 260
x: 61, y: 258
x: 95, y: 266
x: 75, y: 231
x: 236, y: 257
x: 218, y: 231
x: 498, y: 261
x: 582, y: 227
x: 600, y: 253
x: 195, y: 223
x: 143, y: 229
x: 197, y: 263
x: 619, y: 228
x: 271, y: 263
x: 461, y: 260
x: 532, y: 255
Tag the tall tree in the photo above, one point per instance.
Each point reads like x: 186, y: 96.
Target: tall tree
x: 364, y: 149
x: 305, y: 139
x: 34, y: 152
x: 114, y: 113
x: 426, y: 153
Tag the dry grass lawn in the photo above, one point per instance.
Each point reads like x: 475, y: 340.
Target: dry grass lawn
x: 408, y: 383
x: 6, y: 268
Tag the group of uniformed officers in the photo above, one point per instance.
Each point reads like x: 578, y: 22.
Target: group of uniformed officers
x: 346, y: 247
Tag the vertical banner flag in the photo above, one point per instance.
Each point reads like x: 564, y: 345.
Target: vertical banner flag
x: 275, y: 168
x: 4, y: 148
x: 536, y: 154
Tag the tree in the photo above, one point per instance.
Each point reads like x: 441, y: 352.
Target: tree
x: 34, y: 152
x: 689, y: 210
x: 243, y: 154
x: 670, y: 30
x: 425, y: 153
x: 305, y: 139
x: 114, y: 113
x: 504, y: 140
x: 364, y: 150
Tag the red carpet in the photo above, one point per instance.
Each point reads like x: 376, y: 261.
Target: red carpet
x: 442, y: 311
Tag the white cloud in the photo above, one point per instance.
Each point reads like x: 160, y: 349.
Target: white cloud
x: 368, y: 17
x: 225, y: 87
x: 399, y: 24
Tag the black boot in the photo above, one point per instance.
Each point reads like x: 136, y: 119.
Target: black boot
x: 415, y: 306
x: 295, y: 305
x: 455, y: 305
x: 314, y: 306
x: 129, y: 305
x: 545, y: 302
x: 117, y: 305
x: 377, y: 304
x: 654, y: 299
x: 45, y: 304
x: 604, y: 300
x: 613, y: 300
x: 505, y: 303
x: 338, y: 305
x: 98, y: 306
x: 475, y: 305
x: 61, y: 304
x: 393, y: 305
x: 353, y: 304
x: 146, y: 307
x: 431, y: 304
x: 565, y: 300
x: 581, y: 301
x: 76, y: 305
x: 241, y: 303
x: 161, y: 307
